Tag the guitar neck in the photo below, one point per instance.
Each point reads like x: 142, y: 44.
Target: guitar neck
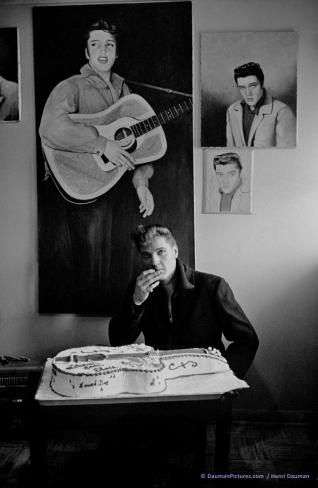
x: 162, y: 118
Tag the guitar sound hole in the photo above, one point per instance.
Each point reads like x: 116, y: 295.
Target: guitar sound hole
x: 126, y: 139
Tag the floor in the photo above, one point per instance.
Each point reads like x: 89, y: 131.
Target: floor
x: 262, y: 454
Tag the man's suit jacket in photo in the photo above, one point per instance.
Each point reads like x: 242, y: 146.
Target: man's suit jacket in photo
x: 273, y: 126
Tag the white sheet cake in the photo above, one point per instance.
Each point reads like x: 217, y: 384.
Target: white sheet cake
x: 99, y: 371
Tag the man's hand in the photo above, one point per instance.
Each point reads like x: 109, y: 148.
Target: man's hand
x: 118, y: 156
x: 146, y: 282
x: 146, y: 200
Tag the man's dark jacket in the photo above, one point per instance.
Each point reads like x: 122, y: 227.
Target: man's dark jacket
x: 203, y: 308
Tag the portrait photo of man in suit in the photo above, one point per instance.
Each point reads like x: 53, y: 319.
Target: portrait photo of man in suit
x: 249, y: 89
x: 257, y: 119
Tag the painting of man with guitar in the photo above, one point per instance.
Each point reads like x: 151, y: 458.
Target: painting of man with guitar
x: 94, y: 88
x: 99, y: 143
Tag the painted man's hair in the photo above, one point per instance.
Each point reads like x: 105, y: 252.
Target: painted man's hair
x: 101, y: 24
x: 249, y: 69
x: 228, y: 158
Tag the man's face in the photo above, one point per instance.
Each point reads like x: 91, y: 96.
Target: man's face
x: 161, y: 256
x: 228, y: 176
x: 101, y: 51
x: 250, y: 89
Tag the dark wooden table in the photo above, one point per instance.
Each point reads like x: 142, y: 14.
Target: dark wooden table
x: 56, y: 414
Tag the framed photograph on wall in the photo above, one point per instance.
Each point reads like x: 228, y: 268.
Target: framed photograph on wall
x: 227, y: 181
x: 249, y: 89
x: 9, y: 75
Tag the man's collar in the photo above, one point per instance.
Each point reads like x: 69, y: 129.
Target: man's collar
x: 184, y: 275
x: 116, y: 80
x: 266, y: 108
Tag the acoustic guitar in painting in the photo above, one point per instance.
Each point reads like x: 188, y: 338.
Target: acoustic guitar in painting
x: 83, y: 177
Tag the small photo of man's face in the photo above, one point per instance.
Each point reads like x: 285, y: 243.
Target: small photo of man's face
x: 228, y: 176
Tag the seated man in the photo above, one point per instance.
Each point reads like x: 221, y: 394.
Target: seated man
x: 177, y: 307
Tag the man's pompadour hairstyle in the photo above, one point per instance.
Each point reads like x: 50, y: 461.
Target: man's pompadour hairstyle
x: 227, y: 158
x: 249, y: 69
x: 144, y: 235
x: 101, y: 24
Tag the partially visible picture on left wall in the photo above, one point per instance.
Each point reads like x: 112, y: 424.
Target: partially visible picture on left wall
x: 9, y: 75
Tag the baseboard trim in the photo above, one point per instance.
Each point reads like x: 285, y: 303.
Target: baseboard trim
x: 279, y: 416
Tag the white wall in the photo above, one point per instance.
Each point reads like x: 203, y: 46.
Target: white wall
x: 270, y: 258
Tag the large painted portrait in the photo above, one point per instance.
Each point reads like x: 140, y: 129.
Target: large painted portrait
x: 9, y: 75
x: 113, y: 89
x: 227, y: 181
x: 249, y: 89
